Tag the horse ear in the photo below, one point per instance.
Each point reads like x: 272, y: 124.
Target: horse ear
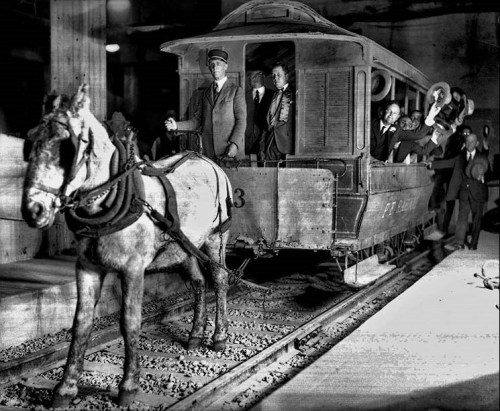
x: 81, y: 98
x: 51, y: 102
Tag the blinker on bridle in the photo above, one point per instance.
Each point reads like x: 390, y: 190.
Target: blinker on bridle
x: 68, y: 201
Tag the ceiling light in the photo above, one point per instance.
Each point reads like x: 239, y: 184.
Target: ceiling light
x: 112, y: 48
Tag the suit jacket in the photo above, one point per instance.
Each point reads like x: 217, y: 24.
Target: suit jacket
x: 378, y: 141
x: 460, y: 185
x: 256, y: 120
x: 381, y: 145
x: 408, y: 147
x: 222, y: 120
x: 284, y: 130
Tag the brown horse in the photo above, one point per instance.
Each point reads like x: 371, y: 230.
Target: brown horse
x: 73, y: 168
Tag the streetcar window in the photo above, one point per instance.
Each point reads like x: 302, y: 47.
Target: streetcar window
x: 411, y: 97
x: 400, y: 95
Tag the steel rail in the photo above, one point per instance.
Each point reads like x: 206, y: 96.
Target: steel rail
x: 209, y: 393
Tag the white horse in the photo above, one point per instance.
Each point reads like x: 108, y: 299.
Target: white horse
x: 120, y: 227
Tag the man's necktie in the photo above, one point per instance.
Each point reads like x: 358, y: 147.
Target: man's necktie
x: 274, y: 106
x: 216, y: 89
x: 256, y: 100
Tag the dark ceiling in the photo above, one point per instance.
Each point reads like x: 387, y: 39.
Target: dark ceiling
x: 25, y: 42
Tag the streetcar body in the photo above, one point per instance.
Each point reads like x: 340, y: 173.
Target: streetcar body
x: 327, y: 195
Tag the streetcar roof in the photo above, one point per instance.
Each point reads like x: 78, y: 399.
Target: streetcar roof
x: 271, y: 20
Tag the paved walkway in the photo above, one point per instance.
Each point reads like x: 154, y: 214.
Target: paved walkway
x: 435, y: 347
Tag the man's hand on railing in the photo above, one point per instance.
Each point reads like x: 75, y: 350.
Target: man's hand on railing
x: 231, y: 150
x: 171, y: 124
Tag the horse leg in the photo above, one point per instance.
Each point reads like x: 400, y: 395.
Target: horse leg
x: 89, y: 284
x: 200, y: 310
x: 216, y: 250
x: 130, y: 325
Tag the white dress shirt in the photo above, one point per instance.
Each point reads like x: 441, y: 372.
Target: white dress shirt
x: 261, y: 91
x: 220, y: 83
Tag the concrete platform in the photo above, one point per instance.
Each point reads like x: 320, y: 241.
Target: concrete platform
x: 38, y: 297
x: 434, y: 347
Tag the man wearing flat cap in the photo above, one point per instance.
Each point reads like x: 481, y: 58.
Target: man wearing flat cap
x: 468, y: 182
x: 221, y: 113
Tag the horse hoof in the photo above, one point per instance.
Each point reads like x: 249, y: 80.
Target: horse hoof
x: 125, y: 398
x: 61, y: 401
x: 219, y: 345
x: 194, y: 343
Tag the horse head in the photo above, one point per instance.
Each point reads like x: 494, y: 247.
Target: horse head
x: 56, y: 151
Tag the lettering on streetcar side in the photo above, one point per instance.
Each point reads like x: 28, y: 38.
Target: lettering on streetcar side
x: 399, y: 206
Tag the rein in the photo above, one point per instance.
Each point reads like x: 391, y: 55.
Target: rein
x: 124, y: 203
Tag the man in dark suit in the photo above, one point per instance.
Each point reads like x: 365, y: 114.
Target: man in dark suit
x: 386, y: 132
x: 221, y: 113
x: 278, y: 139
x: 468, y: 183
x: 258, y: 99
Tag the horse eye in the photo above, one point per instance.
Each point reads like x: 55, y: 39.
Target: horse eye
x: 67, y: 151
x: 28, y: 145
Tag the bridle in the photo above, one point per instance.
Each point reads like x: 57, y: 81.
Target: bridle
x: 67, y: 201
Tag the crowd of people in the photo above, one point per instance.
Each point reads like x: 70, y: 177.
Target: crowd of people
x: 461, y: 166
x: 260, y: 122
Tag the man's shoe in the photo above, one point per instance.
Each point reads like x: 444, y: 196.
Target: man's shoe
x: 459, y: 246
x: 472, y: 247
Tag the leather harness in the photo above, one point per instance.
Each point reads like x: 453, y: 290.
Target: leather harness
x: 125, y: 202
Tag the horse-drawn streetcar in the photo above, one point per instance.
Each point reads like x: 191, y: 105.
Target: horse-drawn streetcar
x: 327, y: 195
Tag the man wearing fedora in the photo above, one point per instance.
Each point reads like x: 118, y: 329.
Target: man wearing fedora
x: 221, y: 113
x: 468, y: 183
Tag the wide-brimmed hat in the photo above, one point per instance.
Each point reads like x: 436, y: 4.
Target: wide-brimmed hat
x: 381, y: 84
x: 469, y: 107
x: 117, y: 117
x: 218, y: 55
x: 477, y: 168
x: 446, y: 94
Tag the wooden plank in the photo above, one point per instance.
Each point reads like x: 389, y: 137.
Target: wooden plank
x: 300, y: 216
x: 12, y: 171
x: 38, y: 271
x: 78, y: 54
x: 18, y: 241
x: 305, y: 208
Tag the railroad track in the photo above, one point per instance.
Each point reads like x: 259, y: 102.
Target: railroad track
x: 272, y: 336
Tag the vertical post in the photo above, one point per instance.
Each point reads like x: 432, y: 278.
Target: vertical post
x: 78, y: 55
x: 130, y: 90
